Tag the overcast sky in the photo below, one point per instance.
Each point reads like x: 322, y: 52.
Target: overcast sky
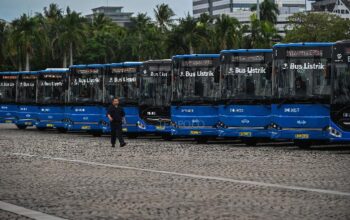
x: 11, y: 9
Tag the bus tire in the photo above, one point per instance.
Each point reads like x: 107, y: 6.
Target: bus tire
x: 97, y: 134
x: 303, y: 144
x: 131, y: 136
x: 201, y: 140
x: 21, y: 127
x: 62, y: 130
x: 41, y: 128
x: 167, y: 137
x: 250, y: 143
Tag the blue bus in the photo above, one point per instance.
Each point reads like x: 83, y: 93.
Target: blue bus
x: 26, y: 95
x: 84, y: 109
x: 8, y: 107
x: 340, y: 98
x: 301, y: 92
x: 122, y: 81
x: 51, y: 89
x: 194, y: 109
x: 246, y: 85
x: 154, y: 98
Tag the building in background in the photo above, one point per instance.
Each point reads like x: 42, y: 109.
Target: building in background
x: 338, y: 7
x: 240, y: 9
x: 114, y: 13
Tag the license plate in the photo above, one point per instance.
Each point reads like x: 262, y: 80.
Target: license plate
x: 27, y: 123
x: 195, y: 132
x: 125, y: 129
x: 49, y: 125
x: 245, y: 134
x: 85, y: 127
x: 160, y: 127
x: 8, y: 121
x: 302, y: 136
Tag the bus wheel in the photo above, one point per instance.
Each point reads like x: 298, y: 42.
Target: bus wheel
x: 97, y: 134
x: 62, y: 130
x: 167, y: 137
x: 201, y: 140
x: 303, y: 144
x: 131, y: 136
x: 22, y: 127
x: 251, y: 143
x: 41, y: 128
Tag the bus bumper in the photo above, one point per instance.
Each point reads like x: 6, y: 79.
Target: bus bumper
x: 195, y: 132
x: 245, y: 133
x: 299, y: 135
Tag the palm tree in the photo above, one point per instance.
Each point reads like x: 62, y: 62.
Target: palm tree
x: 72, y: 35
x: 163, y: 14
x: 228, y: 32
x: 26, y: 31
x: 268, y: 11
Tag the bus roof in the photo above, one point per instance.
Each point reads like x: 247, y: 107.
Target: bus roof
x: 305, y: 44
x: 86, y: 66
x: 62, y: 70
x: 189, y: 56
x: 125, y: 64
x: 247, y: 51
x: 158, y: 61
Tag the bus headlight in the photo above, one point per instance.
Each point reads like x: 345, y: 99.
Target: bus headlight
x: 274, y: 126
x: 104, y: 123
x: 334, y: 132
x: 173, y: 124
x: 141, y: 125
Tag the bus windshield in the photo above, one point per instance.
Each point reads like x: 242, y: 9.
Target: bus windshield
x: 196, y: 80
x: 27, y: 89
x: 246, y: 77
x: 51, y: 88
x: 341, y: 84
x: 86, y: 86
x: 8, y: 88
x: 303, y: 75
x: 155, y: 84
x: 122, y: 82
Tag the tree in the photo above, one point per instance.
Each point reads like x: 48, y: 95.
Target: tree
x: 228, y: 33
x: 268, y: 11
x: 317, y: 27
x: 163, y: 14
x: 261, y: 34
x: 72, y: 35
x: 26, y: 31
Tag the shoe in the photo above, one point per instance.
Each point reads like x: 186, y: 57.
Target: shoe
x: 123, y: 144
x: 113, y: 145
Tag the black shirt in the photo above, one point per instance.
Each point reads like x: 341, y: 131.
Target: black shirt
x: 117, y: 113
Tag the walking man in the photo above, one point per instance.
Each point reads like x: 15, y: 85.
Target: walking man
x: 116, y: 116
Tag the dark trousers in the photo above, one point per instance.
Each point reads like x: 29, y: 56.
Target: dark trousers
x: 117, y: 132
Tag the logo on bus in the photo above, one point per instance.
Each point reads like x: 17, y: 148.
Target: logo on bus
x: 301, y: 122
x: 45, y: 109
x: 245, y: 121
x: 23, y: 109
x: 4, y: 107
x: 80, y: 110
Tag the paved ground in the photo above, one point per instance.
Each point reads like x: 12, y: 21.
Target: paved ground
x: 76, y: 176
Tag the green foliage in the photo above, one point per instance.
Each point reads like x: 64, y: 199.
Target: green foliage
x: 317, y: 27
x: 58, y: 38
